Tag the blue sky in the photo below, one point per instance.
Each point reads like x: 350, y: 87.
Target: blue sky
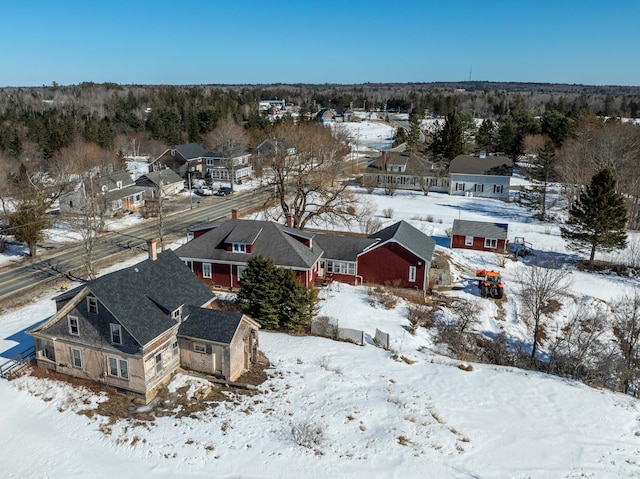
x: 307, y: 41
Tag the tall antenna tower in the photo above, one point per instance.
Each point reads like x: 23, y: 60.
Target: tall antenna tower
x: 470, y: 67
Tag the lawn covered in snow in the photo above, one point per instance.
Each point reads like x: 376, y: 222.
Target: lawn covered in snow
x: 333, y: 409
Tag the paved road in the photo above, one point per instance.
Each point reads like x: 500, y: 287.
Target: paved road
x: 68, y: 261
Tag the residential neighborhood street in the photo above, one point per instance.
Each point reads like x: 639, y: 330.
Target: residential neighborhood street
x: 67, y: 261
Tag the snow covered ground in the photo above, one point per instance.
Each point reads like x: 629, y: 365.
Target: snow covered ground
x: 336, y: 410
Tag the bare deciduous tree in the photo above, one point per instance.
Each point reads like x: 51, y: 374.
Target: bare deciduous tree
x: 626, y: 329
x: 309, y: 184
x: 231, y: 141
x: 539, y: 290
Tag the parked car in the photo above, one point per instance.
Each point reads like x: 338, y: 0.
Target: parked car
x: 223, y: 191
x: 205, y: 191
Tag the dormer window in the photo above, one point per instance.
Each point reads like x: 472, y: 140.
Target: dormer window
x: 105, y: 188
x: 116, y: 334
x: 177, y: 314
x: 92, y: 304
x: 119, y: 184
x: 239, y: 247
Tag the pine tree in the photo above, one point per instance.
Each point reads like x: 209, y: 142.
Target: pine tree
x: 543, y: 171
x: 298, y: 305
x: 449, y: 142
x: 486, y: 137
x: 413, y: 137
x: 261, y: 292
x: 598, y: 218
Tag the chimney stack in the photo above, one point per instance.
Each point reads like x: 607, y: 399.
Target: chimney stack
x: 289, y: 218
x: 234, y: 214
x: 153, y: 251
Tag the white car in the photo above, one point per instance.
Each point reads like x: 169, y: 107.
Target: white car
x: 205, y: 191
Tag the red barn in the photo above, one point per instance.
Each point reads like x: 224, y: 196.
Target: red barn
x: 398, y: 255
x: 479, y: 235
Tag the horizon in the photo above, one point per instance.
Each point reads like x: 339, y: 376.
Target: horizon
x: 335, y: 43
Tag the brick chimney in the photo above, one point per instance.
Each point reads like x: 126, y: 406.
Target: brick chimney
x: 153, y: 250
x: 234, y: 214
x: 289, y: 218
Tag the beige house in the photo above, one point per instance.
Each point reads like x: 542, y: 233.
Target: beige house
x: 131, y: 328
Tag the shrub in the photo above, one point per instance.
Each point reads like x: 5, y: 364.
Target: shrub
x: 388, y: 213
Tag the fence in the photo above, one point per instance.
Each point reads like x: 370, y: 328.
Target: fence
x: 324, y: 327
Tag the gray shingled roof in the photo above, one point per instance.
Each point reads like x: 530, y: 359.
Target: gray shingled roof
x: 110, y: 180
x: 189, y: 150
x: 474, y: 165
x: 481, y: 229
x: 142, y: 296
x: 344, y: 248
x: 210, y: 325
x: 274, y: 241
x: 167, y: 176
x: 416, y: 165
x: 409, y: 237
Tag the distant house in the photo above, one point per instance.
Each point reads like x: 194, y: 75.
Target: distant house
x: 485, y: 176
x: 181, y: 159
x: 133, y: 328
x: 405, y: 171
x: 326, y: 115
x: 271, y: 148
x: 219, y: 168
x: 106, y: 195
x: 166, y: 180
x: 196, y: 160
x: 398, y: 255
x: 479, y: 235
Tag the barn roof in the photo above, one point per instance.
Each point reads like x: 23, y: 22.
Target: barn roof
x: 482, y: 229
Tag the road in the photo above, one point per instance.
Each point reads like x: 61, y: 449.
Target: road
x: 68, y: 261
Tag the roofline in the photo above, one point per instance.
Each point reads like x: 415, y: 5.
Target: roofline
x: 73, y: 302
x: 296, y: 268
x: 376, y: 245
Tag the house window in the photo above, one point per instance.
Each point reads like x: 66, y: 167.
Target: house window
x: 241, y: 271
x: 119, y: 184
x: 498, y: 188
x: 209, y: 161
x: 76, y: 358
x: 412, y: 274
x: 239, y: 247
x: 468, y: 240
x: 116, y: 334
x: 199, y: 348
x: 70, y: 204
x: 118, y: 368
x: 176, y: 349
x: 47, y: 351
x: 92, y: 304
x: 116, y: 205
x: 189, y: 264
x: 478, y: 187
x: 341, y: 267
x: 137, y: 197
x: 177, y: 314
x: 459, y: 186
x: 206, y: 270
x: 158, y: 363
x: 490, y: 243
x: 74, y: 326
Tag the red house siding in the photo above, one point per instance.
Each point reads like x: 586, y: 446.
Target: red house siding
x: 342, y: 278
x: 458, y: 241
x: 389, y: 264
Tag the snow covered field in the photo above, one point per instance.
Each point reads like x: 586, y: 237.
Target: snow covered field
x: 337, y: 410
x: 360, y: 412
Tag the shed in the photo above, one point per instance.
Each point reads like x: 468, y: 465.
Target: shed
x: 479, y: 235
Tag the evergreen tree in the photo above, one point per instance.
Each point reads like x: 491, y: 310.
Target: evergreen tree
x: 543, y: 170
x: 298, y: 305
x: 486, y: 137
x: 260, y: 294
x: 556, y: 126
x: 413, y: 137
x: 274, y: 297
x: 598, y: 218
x: 449, y: 142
